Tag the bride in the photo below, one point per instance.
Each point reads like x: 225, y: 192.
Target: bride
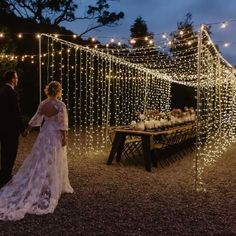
x: 43, y: 176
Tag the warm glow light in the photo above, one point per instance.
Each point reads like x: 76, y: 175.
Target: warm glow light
x: 74, y: 36
x: 150, y: 41
x: 163, y: 36
x: 19, y: 35
x: 132, y: 41
x: 223, y: 25
x: 1, y: 35
x: 226, y: 45
x: 87, y: 80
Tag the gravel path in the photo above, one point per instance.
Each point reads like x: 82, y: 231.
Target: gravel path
x: 124, y: 199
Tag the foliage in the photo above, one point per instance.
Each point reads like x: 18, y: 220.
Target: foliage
x: 139, y: 32
x: 57, y: 11
x: 7, y: 45
x: 184, y: 38
x: 43, y: 11
x: 102, y: 16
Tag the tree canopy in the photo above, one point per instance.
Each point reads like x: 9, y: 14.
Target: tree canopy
x: 57, y: 11
x: 139, y: 33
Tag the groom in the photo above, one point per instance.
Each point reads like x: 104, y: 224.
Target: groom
x: 10, y: 125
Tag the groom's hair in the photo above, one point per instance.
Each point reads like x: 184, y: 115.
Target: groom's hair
x: 8, y: 75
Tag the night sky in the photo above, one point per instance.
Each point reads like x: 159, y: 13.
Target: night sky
x: 162, y: 16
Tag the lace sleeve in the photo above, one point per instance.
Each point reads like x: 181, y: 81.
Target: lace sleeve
x: 37, y: 119
x: 63, y: 118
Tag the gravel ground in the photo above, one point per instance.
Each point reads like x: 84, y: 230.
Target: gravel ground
x: 124, y: 199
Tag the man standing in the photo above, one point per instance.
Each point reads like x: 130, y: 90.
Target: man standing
x: 10, y: 125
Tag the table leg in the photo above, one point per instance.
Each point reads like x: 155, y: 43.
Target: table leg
x: 146, y: 152
x: 117, y: 147
x: 120, y: 147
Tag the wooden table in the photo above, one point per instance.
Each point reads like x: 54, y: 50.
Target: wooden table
x: 146, y: 137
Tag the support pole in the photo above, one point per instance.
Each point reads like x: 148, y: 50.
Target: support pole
x: 198, y: 124
x: 40, y: 71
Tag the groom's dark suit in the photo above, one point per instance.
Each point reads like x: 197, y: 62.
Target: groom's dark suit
x: 10, y: 126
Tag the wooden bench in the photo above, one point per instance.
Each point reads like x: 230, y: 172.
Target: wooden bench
x: 132, y: 145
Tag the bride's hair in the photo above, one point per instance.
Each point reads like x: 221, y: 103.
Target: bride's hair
x: 53, y: 89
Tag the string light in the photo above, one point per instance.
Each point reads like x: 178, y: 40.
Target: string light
x: 226, y: 45
x: 132, y: 84
x: 223, y: 25
x: 163, y: 36
x: 150, y: 41
x: 132, y: 41
x: 141, y: 80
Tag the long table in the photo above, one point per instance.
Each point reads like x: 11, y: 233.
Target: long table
x: 146, y: 138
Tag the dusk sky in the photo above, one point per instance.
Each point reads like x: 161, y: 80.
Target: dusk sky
x: 162, y: 16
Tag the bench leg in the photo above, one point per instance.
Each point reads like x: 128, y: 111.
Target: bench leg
x: 154, y: 158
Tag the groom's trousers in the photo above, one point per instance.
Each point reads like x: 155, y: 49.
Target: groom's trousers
x: 9, y: 144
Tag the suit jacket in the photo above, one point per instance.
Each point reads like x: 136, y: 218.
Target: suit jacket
x: 10, y: 116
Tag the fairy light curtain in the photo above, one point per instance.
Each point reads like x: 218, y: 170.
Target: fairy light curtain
x: 100, y: 89
x: 216, y: 88
x: 193, y: 60
x: 104, y: 87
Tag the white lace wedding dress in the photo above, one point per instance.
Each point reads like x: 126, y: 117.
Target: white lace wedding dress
x: 37, y: 186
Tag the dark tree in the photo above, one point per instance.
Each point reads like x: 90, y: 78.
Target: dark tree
x: 184, y: 38
x: 139, y: 33
x: 43, y: 11
x: 4, y: 7
x: 57, y: 11
x: 101, y: 15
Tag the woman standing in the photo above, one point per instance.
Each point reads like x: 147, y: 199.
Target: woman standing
x: 43, y: 177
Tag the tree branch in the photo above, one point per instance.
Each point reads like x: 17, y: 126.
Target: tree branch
x: 92, y: 28
x: 61, y: 17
